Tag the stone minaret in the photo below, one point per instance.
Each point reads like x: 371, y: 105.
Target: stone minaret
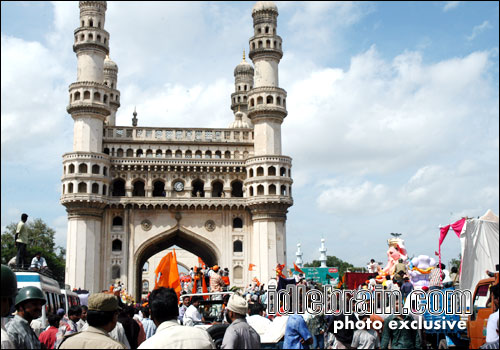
x: 110, y: 80
x: 86, y: 169
x: 243, y: 83
x: 268, y: 184
x: 322, y: 251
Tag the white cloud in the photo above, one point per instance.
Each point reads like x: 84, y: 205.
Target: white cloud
x: 60, y: 225
x: 451, y: 5
x: 478, y: 30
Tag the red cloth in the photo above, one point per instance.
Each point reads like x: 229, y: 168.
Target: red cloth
x: 443, y: 231
x: 48, y: 338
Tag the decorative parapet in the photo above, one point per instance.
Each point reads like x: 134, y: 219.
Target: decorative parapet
x: 113, y: 134
x: 268, y: 159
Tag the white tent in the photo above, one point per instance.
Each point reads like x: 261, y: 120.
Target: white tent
x: 480, y: 243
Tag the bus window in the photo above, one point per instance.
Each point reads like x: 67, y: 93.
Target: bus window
x: 62, y: 299
x: 49, y: 308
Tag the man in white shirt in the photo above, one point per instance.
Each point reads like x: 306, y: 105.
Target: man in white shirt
x: 192, y: 316
x: 373, y: 267
x: 169, y: 334
x: 38, y: 262
x: 256, y: 318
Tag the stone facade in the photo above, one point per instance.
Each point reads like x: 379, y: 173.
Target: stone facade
x: 132, y: 192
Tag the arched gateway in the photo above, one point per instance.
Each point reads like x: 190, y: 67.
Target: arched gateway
x: 178, y: 236
x: 133, y: 191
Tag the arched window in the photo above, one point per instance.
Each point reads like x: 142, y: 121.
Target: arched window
x: 227, y: 155
x: 116, y: 245
x: 208, y: 154
x: 189, y: 154
x: 237, y: 246
x: 86, y: 95
x: 250, y: 173
x: 82, y: 168
x: 271, y: 171
x: 119, y: 152
x: 159, y: 189
x: 139, y: 153
x: 91, y: 23
x: 197, y: 154
x: 278, y: 101
x: 178, y: 154
x: 115, y: 272
x: 77, y: 96
x: 104, y: 190
x: 130, y: 152
x: 117, y: 221
x: 168, y: 154
x: 269, y: 100
x: 282, y: 171
x: 268, y: 44
x: 82, y: 187
x: 251, y: 191
x: 99, y: 40
x: 238, y: 273
x: 237, y: 189
x: 267, y: 30
x: 149, y: 153
x: 272, y: 189
x: 237, y: 223
x: 260, y: 100
x: 260, y: 190
x: 95, y: 188
x: 260, y: 171
x: 218, y: 155
x: 198, y: 190
x: 97, y: 96
x: 138, y: 190
x: 71, y: 169
x: 118, y: 188
x: 283, y: 190
x: 260, y: 44
x: 70, y: 187
x: 251, y: 102
x: 253, y: 46
x: 95, y: 169
x: 217, y: 189
x: 236, y: 155
x: 158, y: 153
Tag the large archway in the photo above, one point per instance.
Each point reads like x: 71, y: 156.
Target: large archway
x: 180, y: 237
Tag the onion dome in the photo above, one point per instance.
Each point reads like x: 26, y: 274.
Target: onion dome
x: 109, y: 64
x: 265, y: 6
x: 238, y: 122
x: 244, y: 67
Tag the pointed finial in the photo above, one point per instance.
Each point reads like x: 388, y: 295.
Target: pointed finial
x: 243, y: 54
x: 238, y: 108
x: 134, y: 119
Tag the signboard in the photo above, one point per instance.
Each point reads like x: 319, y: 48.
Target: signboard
x: 323, y: 275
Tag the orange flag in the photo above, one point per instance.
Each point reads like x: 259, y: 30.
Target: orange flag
x: 167, y: 273
x: 257, y: 282
x: 201, y: 263
x: 250, y: 267
x: 297, y: 269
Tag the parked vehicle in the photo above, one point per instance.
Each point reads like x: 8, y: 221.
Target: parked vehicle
x: 69, y: 299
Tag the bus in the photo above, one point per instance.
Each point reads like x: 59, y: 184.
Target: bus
x: 49, y: 286
x: 69, y: 299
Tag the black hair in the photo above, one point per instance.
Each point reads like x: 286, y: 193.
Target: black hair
x: 99, y: 319
x: 145, y: 312
x: 454, y: 269
x: 406, y: 279
x: 255, y: 309
x: 495, y: 290
x: 75, y: 310
x: 163, y: 304
x: 196, y: 298
x: 24, y: 216
x: 85, y: 307
x: 443, y: 266
x: 372, y: 260
x: 54, y: 320
x: 388, y: 277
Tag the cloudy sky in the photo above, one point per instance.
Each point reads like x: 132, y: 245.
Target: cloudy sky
x: 393, y: 121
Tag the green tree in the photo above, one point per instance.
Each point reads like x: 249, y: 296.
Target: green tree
x: 41, y: 239
x: 455, y: 262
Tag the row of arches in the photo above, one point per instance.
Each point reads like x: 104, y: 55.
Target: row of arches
x: 90, y: 36
x: 271, y: 171
x: 83, y: 187
x: 77, y: 96
x: 269, y: 44
x: 271, y: 190
x: 269, y: 100
x: 118, y: 222
x: 266, y: 30
x: 83, y: 168
x: 159, y: 153
x: 90, y: 23
x: 158, y: 188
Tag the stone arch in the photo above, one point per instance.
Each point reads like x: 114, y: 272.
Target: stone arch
x: 180, y: 237
x: 271, y: 171
x: 118, y: 187
x: 158, y: 188
x: 217, y: 188
x: 236, y: 188
x: 139, y: 188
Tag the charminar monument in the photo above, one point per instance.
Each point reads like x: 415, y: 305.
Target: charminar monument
x: 134, y: 191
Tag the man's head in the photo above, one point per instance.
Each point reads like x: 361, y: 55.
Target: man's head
x: 75, y: 313
x: 196, y: 300
x: 54, y: 320
x: 38, y: 255
x: 185, y: 301
x: 84, y: 312
x: 237, y: 307
x: 24, y: 217
x: 9, y: 289
x: 60, y: 312
x: 388, y: 277
x: 145, y: 312
x: 400, y: 260
x: 372, y: 261
x: 406, y: 279
x: 163, y: 305
x: 215, y: 268
x: 443, y: 266
x: 255, y: 309
x: 29, y: 302
x: 103, y: 311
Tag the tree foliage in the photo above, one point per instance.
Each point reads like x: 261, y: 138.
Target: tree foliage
x: 40, y: 238
x: 333, y: 261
